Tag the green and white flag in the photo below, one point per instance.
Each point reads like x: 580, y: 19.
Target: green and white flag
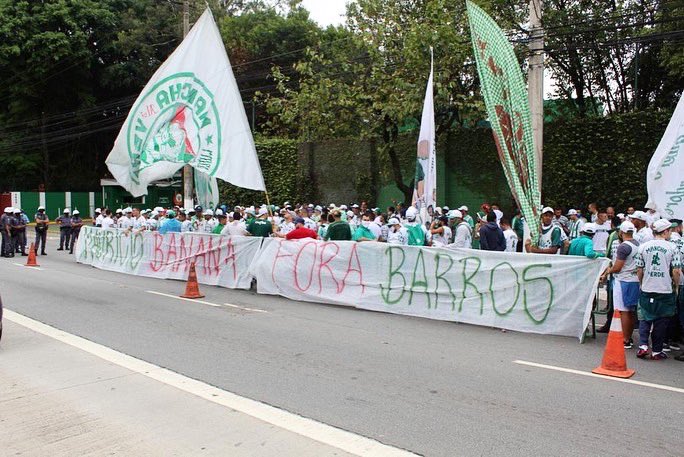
x: 207, y: 190
x: 190, y: 112
x: 665, y: 176
x: 505, y: 95
x: 425, y: 184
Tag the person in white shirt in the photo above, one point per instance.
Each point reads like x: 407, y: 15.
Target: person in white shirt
x: 441, y: 233
x: 651, y: 216
x: 186, y: 222
x: 658, y: 267
x: 396, y: 233
x: 287, y: 225
x: 107, y: 221
x: 644, y: 232
x: 98, y: 217
x: 138, y: 219
x: 153, y: 221
x: 236, y: 227
x: 603, y: 228
x: 376, y: 228
x: 207, y: 224
x: 463, y: 235
x: 509, y: 235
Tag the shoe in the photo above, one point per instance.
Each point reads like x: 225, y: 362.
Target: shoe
x: 629, y: 344
x: 659, y: 356
x: 666, y: 347
x: 675, y: 346
x: 23, y: 254
x: 60, y: 249
x: 643, y: 352
x: 679, y: 357
x: 43, y: 253
x: 604, y: 329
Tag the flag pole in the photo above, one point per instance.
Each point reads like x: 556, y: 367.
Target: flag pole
x: 188, y: 181
x: 268, y: 204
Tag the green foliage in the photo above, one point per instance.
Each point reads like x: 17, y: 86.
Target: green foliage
x: 601, y: 159
x: 279, y: 164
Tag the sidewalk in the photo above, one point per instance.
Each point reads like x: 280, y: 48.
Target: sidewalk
x: 57, y: 400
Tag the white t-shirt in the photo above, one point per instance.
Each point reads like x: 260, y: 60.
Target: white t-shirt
x: 600, y: 239
x: 463, y: 237
x: 440, y: 240
x: 374, y: 227
x: 139, y: 223
x: 186, y: 225
x: 98, y: 220
x: 125, y: 222
x: 235, y: 228
x: 644, y: 235
x: 286, y: 227
x: 398, y: 237
x: 511, y: 240
x: 656, y: 257
x: 107, y: 222
x: 209, y: 225
x: 152, y: 224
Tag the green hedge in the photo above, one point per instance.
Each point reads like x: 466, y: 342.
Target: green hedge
x: 279, y: 164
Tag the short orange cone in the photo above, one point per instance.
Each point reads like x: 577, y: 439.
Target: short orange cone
x: 192, y: 288
x: 31, y: 261
x: 614, y: 362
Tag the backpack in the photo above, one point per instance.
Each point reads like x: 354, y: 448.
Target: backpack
x: 416, y: 236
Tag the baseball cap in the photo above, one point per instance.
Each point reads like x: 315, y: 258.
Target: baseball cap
x: 547, y: 209
x: 350, y: 213
x: 128, y: 210
x: 66, y: 210
x: 117, y: 211
x: 661, y: 225
x: 208, y: 213
x: 97, y: 210
x: 675, y: 222
x: 43, y: 208
x: 76, y: 212
x: 627, y: 226
x: 17, y: 210
x: 499, y: 214
x: 198, y: 208
x: 621, y: 216
x: 8, y: 209
x: 331, y: 206
x: 318, y: 208
x: 344, y: 207
x: 393, y: 221
x: 355, y: 205
x: 171, y: 213
x: 454, y: 213
x: 219, y: 212
x: 445, y: 209
x: 299, y: 220
x: 639, y: 215
x: 262, y: 211
x: 589, y: 228
x: 572, y: 212
x: 222, y: 215
x: 463, y: 208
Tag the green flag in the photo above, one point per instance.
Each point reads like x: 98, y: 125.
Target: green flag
x: 505, y: 95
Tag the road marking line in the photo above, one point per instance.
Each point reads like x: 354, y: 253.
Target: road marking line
x: 256, y: 310
x: 30, y: 268
x: 244, y: 308
x: 194, y: 300
x: 309, y: 428
x: 607, y: 378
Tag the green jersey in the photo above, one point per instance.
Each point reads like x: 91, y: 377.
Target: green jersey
x: 260, y: 227
x: 339, y: 231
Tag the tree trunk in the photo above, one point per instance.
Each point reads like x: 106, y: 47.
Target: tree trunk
x: 389, y: 137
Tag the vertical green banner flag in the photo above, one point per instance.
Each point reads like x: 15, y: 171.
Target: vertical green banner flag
x: 505, y: 95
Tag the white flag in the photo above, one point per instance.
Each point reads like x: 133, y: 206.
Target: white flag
x: 425, y: 187
x: 207, y: 190
x: 665, y: 176
x: 189, y: 112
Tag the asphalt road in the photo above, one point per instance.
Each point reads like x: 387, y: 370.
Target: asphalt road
x: 431, y: 387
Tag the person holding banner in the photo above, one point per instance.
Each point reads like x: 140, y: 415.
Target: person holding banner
x: 300, y: 231
x: 549, y: 239
x: 363, y: 231
x: 171, y: 224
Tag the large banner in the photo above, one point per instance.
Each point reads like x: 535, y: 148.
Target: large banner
x: 503, y: 88
x: 524, y: 292
x: 665, y: 176
x: 219, y: 260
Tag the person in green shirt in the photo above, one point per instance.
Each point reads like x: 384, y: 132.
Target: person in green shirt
x: 584, y: 246
x: 363, y: 232
x: 549, y: 238
x: 518, y: 226
x: 338, y: 230
x: 222, y: 218
x: 260, y: 226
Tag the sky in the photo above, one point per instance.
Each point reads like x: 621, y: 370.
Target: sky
x: 326, y: 12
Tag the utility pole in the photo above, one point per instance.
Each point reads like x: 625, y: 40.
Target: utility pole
x: 535, y: 81
x: 188, y: 182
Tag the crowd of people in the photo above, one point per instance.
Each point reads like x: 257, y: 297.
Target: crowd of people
x: 645, y: 250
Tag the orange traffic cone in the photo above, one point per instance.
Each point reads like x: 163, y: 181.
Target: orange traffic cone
x: 614, y: 362
x: 31, y: 261
x: 192, y: 288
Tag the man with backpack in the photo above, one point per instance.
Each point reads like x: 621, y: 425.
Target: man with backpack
x: 417, y: 233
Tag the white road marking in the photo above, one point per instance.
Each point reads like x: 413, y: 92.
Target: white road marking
x: 317, y: 431
x: 194, y: 300
x: 607, y: 378
x: 244, y: 308
x: 30, y: 268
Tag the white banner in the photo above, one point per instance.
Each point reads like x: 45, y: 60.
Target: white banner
x: 665, y: 176
x: 190, y: 112
x: 425, y: 187
x: 219, y: 260
x: 524, y: 292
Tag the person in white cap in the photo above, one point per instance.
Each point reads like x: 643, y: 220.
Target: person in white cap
x: 644, y: 232
x: 260, y: 226
x: 42, y: 223
x: 463, y: 235
x: 207, y: 224
x: 396, y: 234
x: 467, y: 217
x: 575, y: 225
x: 658, y: 267
x: 549, y: 240
x: 76, y: 224
x: 417, y: 232
x: 125, y: 222
x: 64, y: 222
x: 625, y: 280
x: 584, y: 245
x: 107, y: 221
